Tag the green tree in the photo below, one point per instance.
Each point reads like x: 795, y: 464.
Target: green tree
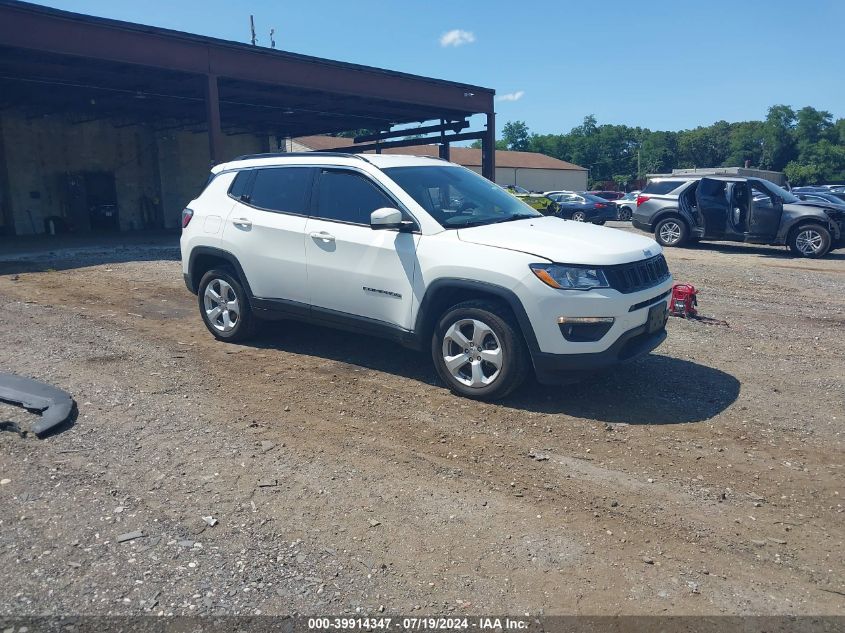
x: 516, y: 135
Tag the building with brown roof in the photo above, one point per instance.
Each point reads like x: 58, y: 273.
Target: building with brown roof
x: 533, y: 171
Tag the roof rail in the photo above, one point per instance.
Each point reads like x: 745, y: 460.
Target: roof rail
x: 283, y: 154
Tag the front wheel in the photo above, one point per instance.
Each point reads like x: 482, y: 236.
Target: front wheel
x: 579, y: 216
x: 478, y: 350
x: 671, y: 232
x: 810, y: 240
x: 624, y: 214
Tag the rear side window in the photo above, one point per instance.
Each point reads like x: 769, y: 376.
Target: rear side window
x: 239, y: 185
x: 347, y: 197
x: 283, y: 189
x: 659, y: 187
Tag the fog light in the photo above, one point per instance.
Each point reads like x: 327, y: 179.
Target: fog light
x: 584, y: 329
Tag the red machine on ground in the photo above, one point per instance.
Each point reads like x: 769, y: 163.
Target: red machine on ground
x: 684, y: 301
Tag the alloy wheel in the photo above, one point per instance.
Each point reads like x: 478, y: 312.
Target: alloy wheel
x: 809, y: 241
x: 670, y: 232
x: 221, y: 305
x: 472, y: 353
x: 579, y: 216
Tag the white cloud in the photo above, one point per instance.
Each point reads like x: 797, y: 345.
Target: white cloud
x: 511, y: 96
x: 457, y: 37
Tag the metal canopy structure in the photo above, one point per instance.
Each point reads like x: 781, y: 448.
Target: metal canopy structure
x: 86, y: 68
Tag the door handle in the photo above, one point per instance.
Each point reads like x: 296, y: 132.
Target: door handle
x: 242, y: 222
x: 322, y: 235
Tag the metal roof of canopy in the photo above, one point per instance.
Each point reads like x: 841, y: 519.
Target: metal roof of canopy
x: 54, y: 61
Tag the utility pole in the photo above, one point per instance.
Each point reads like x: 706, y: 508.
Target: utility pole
x: 252, y: 28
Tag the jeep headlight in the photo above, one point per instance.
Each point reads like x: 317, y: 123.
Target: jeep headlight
x: 570, y: 277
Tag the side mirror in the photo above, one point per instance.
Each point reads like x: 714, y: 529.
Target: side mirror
x: 386, y: 218
x: 777, y: 202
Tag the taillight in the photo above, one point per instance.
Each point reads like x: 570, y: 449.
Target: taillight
x: 641, y: 199
x: 187, y: 214
x: 600, y: 205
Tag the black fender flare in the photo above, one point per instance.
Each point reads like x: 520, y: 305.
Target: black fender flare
x: 428, y: 313
x: 786, y: 230
x: 217, y: 253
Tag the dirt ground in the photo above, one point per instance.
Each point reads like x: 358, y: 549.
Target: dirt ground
x: 706, y: 478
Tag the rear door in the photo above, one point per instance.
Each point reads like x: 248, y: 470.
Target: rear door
x: 713, y: 207
x: 265, y: 230
x: 765, y: 211
x: 353, y: 269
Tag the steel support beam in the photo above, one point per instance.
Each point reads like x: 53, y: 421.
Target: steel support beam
x: 215, y: 131
x: 488, y: 148
x: 428, y: 140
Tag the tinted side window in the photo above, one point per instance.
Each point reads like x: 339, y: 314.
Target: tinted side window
x: 348, y: 197
x: 659, y: 187
x: 239, y: 185
x: 282, y: 189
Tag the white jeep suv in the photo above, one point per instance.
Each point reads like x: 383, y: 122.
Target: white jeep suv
x: 426, y: 253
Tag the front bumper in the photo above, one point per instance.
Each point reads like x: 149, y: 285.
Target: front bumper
x: 554, y: 369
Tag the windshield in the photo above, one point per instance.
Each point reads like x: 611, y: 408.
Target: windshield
x: 457, y: 197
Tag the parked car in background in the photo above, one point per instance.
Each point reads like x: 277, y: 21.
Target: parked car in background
x: 516, y: 189
x: 822, y: 197
x: 625, y: 205
x: 584, y: 207
x: 538, y: 201
x: 607, y: 195
x: 737, y: 209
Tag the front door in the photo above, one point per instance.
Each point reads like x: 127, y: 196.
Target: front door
x: 712, y: 201
x: 765, y: 211
x: 353, y: 269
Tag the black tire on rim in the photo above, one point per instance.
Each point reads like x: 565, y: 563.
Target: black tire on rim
x: 478, y: 350
x: 224, y: 305
x: 579, y: 216
x: 625, y: 214
x: 671, y: 231
x: 810, y: 240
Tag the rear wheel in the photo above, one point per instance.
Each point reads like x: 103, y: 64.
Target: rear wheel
x: 671, y: 231
x: 478, y: 350
x: 224, y: 306
x: 810, y: 240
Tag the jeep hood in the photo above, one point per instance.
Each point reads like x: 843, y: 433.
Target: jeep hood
x: 564, y: 241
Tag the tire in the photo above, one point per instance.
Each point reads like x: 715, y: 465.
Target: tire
x: 810, y: 240
x: 579, y: 216
x: 671, y: 231
x: 491, y: 327
x: 221, y: 288
x: 624, y: 214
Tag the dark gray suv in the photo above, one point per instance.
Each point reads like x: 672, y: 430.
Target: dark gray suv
x: 681, y: 210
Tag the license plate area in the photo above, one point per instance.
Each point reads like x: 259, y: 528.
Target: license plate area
x: 657, y: 316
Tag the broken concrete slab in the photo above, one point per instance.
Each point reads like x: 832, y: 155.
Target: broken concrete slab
x: 129, y: 536
x: 54, y: 405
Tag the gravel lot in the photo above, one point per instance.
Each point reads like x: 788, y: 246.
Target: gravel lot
x: 705, y: 478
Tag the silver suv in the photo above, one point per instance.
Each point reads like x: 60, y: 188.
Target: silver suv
x: 679, y: 210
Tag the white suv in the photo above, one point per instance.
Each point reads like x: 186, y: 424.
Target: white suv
x: 426, y: 253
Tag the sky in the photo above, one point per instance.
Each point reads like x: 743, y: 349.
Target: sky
x: 658, y: 64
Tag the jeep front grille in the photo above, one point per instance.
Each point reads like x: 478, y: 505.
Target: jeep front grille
x: 638, y: 276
